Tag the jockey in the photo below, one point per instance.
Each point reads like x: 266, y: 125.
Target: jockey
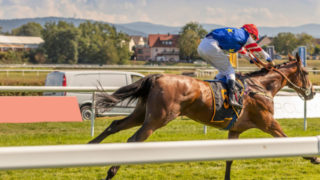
x: 243, y: 40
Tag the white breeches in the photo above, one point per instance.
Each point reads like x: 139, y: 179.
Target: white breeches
x: 210, y: 51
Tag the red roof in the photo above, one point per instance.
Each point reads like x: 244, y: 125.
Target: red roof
x: 163, y: 40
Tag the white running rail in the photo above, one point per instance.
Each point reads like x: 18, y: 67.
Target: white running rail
x: 154, y: 152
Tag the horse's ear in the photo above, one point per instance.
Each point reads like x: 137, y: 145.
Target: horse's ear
x: 298, y: 57
x: 291, y: 58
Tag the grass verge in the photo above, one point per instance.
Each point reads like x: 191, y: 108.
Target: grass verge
x: 178, y: 130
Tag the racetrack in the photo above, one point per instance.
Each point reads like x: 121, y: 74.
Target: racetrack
x: 79, y: 133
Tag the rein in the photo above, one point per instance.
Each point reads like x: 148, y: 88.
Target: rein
x: 259, y: 63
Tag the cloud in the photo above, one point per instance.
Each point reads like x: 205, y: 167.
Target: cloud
x: 240, y: 16
x: 168, y: 12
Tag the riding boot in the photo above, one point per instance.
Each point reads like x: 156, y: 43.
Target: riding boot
x: 232, y: 94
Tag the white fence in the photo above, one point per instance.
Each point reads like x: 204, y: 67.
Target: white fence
x: 154, y: 152
x: 38, y: 71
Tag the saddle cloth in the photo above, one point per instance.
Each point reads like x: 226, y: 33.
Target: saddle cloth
x: 224, y: 115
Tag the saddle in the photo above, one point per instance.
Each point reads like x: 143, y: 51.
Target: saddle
x: 224, y: 115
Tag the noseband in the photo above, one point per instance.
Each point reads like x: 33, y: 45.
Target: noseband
x: 306, y: 91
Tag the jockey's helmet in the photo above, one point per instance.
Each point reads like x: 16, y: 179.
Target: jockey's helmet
x: 252, y: 29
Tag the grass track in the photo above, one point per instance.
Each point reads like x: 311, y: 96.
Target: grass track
x: 78, y: 133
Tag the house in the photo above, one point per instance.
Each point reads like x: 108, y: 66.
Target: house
x: 264, y: 41
x: 137, y: 41
x: 19, y: 43
x: 138, y: 45
x: 142, y: 53
x: 163, y: 47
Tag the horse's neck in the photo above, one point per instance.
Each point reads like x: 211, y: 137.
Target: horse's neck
x: 271, y: 83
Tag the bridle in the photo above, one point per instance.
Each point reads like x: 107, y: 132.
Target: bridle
x: 306, y: 91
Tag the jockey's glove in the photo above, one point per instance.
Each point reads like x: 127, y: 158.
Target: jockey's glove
x: 271, y: 63
x: 269, y: 59
x: 251, y: 62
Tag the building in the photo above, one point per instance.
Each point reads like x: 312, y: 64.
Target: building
x: 19, y: 43
x: 137, y: 41
x: 163, y: 47
x: 138, y: 45
x: 142, y: 53
x: 264, y: 41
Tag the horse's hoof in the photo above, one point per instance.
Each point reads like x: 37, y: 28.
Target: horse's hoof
x: 315, y: 160
x: 93, y: 142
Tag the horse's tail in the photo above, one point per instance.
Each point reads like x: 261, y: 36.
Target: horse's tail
x: 138, y: 89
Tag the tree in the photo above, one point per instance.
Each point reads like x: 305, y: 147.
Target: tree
x: 285, y: 42
x: 101, y: 43
x: 189, y: 40
x: 306, y: 40
x: 29, y: 29
x: 196, y: 27
x: 61, y: 42
x: 316, y: 50
x: 0, y: 30
x: 37, y: 56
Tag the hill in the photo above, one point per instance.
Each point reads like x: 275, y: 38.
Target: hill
x: 9, y: 24
x: 144, y: 28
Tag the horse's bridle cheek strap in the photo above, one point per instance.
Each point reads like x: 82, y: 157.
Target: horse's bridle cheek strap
x: 306, y: 91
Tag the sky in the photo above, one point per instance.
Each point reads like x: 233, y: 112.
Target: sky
x: 270, y: 13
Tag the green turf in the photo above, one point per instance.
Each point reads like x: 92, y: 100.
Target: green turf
x: 180, y: 129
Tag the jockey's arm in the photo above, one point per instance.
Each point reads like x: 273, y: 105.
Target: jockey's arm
x: 252, y: 46
x: 245, y: 53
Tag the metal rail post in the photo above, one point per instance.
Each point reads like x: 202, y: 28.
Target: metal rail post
x: 93, y: 116
x: 305, y: 115
x: 204, y: 129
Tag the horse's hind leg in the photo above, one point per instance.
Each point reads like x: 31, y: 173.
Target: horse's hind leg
x: 142, y: 134
x: 136, y: 118
x: 157, y: 116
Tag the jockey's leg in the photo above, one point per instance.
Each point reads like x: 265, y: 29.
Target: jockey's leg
x: 233, y: 99
x: 219, y: 76
x: 210, y: 51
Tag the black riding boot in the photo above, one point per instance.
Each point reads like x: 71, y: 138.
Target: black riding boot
x: 232, y: 94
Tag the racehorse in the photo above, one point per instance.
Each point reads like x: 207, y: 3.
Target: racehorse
x: 162, y: 98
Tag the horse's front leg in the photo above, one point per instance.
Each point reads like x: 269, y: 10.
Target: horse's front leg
x: 232, y: 135
x: 276, y: 131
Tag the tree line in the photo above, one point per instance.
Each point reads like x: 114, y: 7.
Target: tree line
x: 100, y: 43
x: 89, y: 43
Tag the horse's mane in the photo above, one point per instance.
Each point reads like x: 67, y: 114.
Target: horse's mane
x: 264, y: 71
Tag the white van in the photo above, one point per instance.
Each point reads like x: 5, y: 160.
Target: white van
x: 91, y: 79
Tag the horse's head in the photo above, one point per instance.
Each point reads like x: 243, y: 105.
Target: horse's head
x: 299, y: 80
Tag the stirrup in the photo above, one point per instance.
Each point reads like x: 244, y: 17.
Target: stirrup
x: 237, y: 105
x: 233, y: 102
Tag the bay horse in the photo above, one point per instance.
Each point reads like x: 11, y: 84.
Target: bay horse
x: 163, y: 97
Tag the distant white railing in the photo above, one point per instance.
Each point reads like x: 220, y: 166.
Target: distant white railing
x: 102, y: 67
x: 53, y: 89
x: 26, y: 157
x: 38, y: 71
